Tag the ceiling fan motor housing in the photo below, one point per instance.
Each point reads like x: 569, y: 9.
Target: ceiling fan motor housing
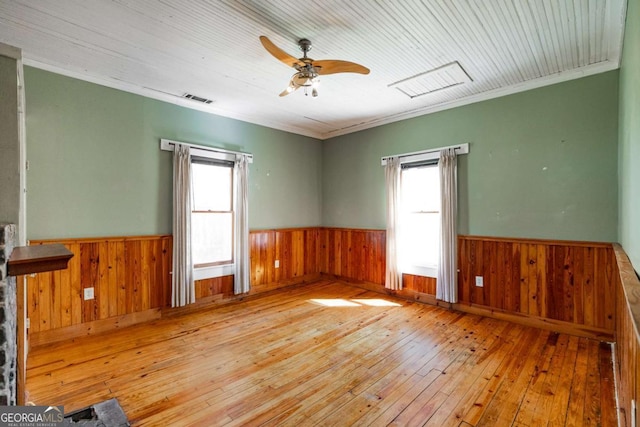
x: 305, y: 46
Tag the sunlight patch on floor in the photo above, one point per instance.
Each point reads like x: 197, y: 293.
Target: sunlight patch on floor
x: 341, y: 302
x: 377, y: 302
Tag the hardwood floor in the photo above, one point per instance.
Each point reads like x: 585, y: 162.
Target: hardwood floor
x: 331, y: 354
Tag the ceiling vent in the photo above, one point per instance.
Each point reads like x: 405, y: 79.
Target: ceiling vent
x: 197, y: 98
x: 440, y: 78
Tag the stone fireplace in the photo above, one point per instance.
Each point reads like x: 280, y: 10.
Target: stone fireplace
x: 8, y: 319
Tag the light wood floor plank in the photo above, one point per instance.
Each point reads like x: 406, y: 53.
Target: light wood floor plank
x: 578, y: 391
x: 498, y: 360
x: 330, y: 354
x: 559, y: 406
x: 503, y: 408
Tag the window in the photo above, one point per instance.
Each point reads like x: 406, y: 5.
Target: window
x: 419, y: 240
x: 212, y: 212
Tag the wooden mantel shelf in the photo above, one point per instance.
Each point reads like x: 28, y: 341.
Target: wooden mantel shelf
x: 38, y: 258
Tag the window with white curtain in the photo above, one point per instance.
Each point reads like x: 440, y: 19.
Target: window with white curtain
x: 212, y: 212
x: 419, y: 222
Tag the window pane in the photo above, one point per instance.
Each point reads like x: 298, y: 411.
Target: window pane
x: 419, y: 230
x: 421, y: 240
x: 211, y: 187
x: 211, y: 237
x: 421, y: 189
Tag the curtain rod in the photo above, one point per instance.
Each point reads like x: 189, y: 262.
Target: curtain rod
x: 168, y: 145
x: 432, y: 153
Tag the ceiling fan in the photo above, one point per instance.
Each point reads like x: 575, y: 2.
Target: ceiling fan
x: 308, y: 70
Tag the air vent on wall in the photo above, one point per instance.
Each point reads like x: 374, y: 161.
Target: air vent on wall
x: 197, y: 98
x: 446, y: 76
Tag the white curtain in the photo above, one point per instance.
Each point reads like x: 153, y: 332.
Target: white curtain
x: 182, y: 285
x: 241, y: 281
x: 393, y: 278
x: 446, y: 286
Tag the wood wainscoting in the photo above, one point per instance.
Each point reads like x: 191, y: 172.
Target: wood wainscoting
x: 353, y: 254
x: 559, y: 285
x: 564, y: 286
x: 131, y: 278
x: 295, y: 249
x: 627, y: 363
x: 131, y: 281
x: 358, y: 256
x: 569, y: 286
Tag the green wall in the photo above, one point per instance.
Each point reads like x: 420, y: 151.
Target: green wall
x: 542, y: 163
x: 629, y: 143
x: 9, y: 142
x: 96, y: 168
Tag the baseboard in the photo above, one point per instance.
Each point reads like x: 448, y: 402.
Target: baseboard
x: 91, y: 328
x: 539, y: 322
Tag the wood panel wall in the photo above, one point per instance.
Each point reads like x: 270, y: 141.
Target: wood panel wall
x: 553, y: 284
x: 358, y: 256
x: 132, y: 281
x: 129, y: 275
x: 295, y: 249
x: 354, y: 254
x: 212, y: 289
x: 627, y: 362
x: 566, y: 281
x: 571, y: 283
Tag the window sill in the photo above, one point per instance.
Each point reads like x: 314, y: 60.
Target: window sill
x: 417, y: 270
x: 210, y: 272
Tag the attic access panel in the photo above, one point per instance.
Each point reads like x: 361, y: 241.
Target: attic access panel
x: 444, y: 77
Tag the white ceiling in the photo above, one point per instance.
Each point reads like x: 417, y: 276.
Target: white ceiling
x: 166, y: 48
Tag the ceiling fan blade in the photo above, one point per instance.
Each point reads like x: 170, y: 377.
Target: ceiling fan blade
x: 289, y: 90
x: 332, y: 66
x: 278, y: 53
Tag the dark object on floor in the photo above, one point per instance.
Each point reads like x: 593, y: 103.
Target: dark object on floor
x: 103, y: 414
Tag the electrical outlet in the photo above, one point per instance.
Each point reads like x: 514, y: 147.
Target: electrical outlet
x: 277, y: 263
x: 479, y: 281
x: 88, y: 293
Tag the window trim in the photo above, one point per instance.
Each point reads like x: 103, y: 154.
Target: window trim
x: 418, y: 270
x: 216, y: 268
x: 212, y: 271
